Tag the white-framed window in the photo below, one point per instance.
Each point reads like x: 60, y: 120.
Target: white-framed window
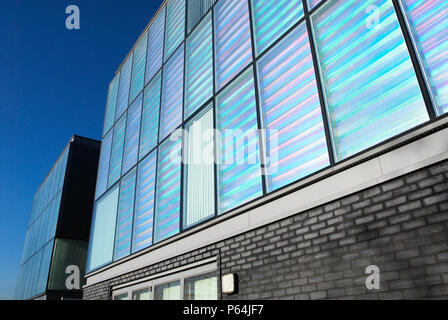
x: 198, y: 281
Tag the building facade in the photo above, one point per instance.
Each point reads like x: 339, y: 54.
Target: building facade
x: 293, y: 145
x: 58, y: 229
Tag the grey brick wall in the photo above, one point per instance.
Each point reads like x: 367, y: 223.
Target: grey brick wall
x: 401, y: 226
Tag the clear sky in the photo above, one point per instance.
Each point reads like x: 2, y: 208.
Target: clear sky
x: 53, y: 84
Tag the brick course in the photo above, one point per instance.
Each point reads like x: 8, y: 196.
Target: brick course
x: 401, y: 226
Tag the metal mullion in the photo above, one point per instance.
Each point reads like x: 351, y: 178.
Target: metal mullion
x: 215, y: 149
x: 156, y: 149
x: 427, y: 97
x: 320, y: 86
x: 182, y: 169
x: 261, y: 138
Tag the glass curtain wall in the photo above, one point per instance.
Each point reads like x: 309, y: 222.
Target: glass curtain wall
x: 325, y: 80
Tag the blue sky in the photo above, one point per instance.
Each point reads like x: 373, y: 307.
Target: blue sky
x: 53, y: 84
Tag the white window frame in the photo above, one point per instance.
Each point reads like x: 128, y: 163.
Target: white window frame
x: 178, y: 274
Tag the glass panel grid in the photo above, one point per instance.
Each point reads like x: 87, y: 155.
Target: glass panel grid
x: 355, y: 60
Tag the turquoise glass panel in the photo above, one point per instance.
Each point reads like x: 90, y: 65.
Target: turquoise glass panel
x: 168, y: 190
x: 139, y: 67
x: 239, y: 171
x: 124, y: 87
x: 371, y: 89
x: 296, y: 145
x: 150, y: 116
x: 125, y: 215
x: 172, y: 96
x: 199, y: 67
x: 156, y: 36
x: 116, y: 157
x: 313, y: 3
x: 428, y: 21
x: 272, y: 19
x: 144, y: 206
x: 175, y: 26
x: 233, y: 45
x: 130, y: 155
x: 101, y: 244
x: 111, y: 105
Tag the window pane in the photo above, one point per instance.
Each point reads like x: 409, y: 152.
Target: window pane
x: 173, y: 87
x: 67, y: 252
x: 101, y: 244
x: 204, y: 287
x: 124, y: 216
x: 273, y: 18
x: 295, y: 137
x: 117, y: 151
x: 150, y: 120
x: 371, y: 89
x: 123, y: 296
x: 197, y: 10
x: 123, y: 89
x: 232, y: 39
x: 144, y: 207
x: 239, y: 161
x: 312, y: 3
x: 428, y: 22
x: 44, y: 267
x: 132, y: 134
x: 175, y: 25
x: 199, y: 170
x: 155, y: 45
x: 168, y: 190
x: 103, y: 167
x: 199, y: 67
x: 169, y: 291
x: 138, y: 68
x: 111, y: 105
x: 141, y: 294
